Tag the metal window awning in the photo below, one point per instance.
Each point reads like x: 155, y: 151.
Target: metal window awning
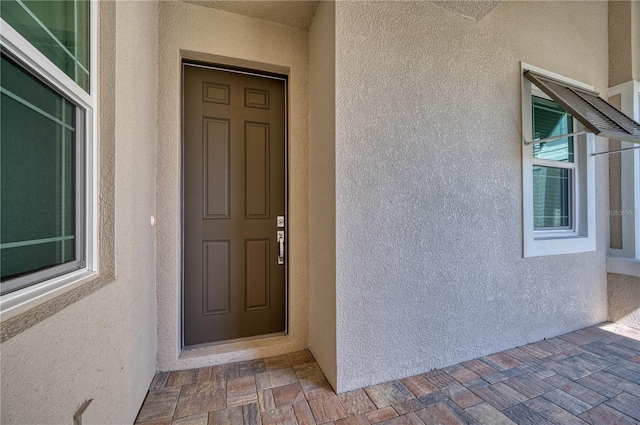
x: 597, y: 115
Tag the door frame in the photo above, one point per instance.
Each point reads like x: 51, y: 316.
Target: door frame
x: 260, y: 74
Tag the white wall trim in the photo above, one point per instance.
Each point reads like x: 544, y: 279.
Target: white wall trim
x: 630, y: 174
x: 624, y: 266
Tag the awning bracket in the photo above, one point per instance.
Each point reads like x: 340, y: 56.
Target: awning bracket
x: 551, y: 139
x: 616, y: 151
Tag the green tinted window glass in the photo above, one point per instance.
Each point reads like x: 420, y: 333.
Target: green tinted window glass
x: 549, y: 119
x: 551, y: 197
x: 38, y: 203
x: 59, y: 29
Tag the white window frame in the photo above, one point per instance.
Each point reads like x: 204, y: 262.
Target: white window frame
x: 581, y: 237
x: 24, y: 299
x: 574, y: 193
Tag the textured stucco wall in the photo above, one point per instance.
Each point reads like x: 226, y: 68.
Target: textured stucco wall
x: 104, y: 346
x: 429, y: 267
x: 221, y: 37
x: 621, y: 53
x: 624, y: 299
x: 322, y: 184
x: 624, y: 41
x: 635, y: 39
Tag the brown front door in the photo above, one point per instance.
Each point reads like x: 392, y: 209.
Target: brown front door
x: 234, y: 191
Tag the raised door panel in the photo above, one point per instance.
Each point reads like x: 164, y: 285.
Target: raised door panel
x: 216, y: 279
x: 215, y: 168
x: 257, y: 170
x: 256, y: 274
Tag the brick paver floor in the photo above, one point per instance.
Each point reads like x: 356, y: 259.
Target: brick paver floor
x: 588, y: 376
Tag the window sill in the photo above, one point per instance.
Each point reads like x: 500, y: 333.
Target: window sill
x: 18, y: 302
x: 556, y: 246
x: 623, y: 266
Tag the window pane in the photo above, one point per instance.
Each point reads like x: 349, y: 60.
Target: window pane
x: 37, y: 175
x: 551, y: 197
x: 549, y: 119
x: 58, y: 28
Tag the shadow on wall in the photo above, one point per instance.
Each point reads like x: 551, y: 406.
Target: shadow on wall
x: 624, y: 299
x: 475, y: 10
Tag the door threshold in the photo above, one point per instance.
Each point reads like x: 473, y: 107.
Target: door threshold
x: 189, y: 348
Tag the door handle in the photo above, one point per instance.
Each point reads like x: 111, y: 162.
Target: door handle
x: 280, y: 240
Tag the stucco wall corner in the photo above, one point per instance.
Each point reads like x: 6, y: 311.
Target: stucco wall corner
x: 635, y: 39
x: 624, y: 299
x: 623, y: 50
x: 322, y: 201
